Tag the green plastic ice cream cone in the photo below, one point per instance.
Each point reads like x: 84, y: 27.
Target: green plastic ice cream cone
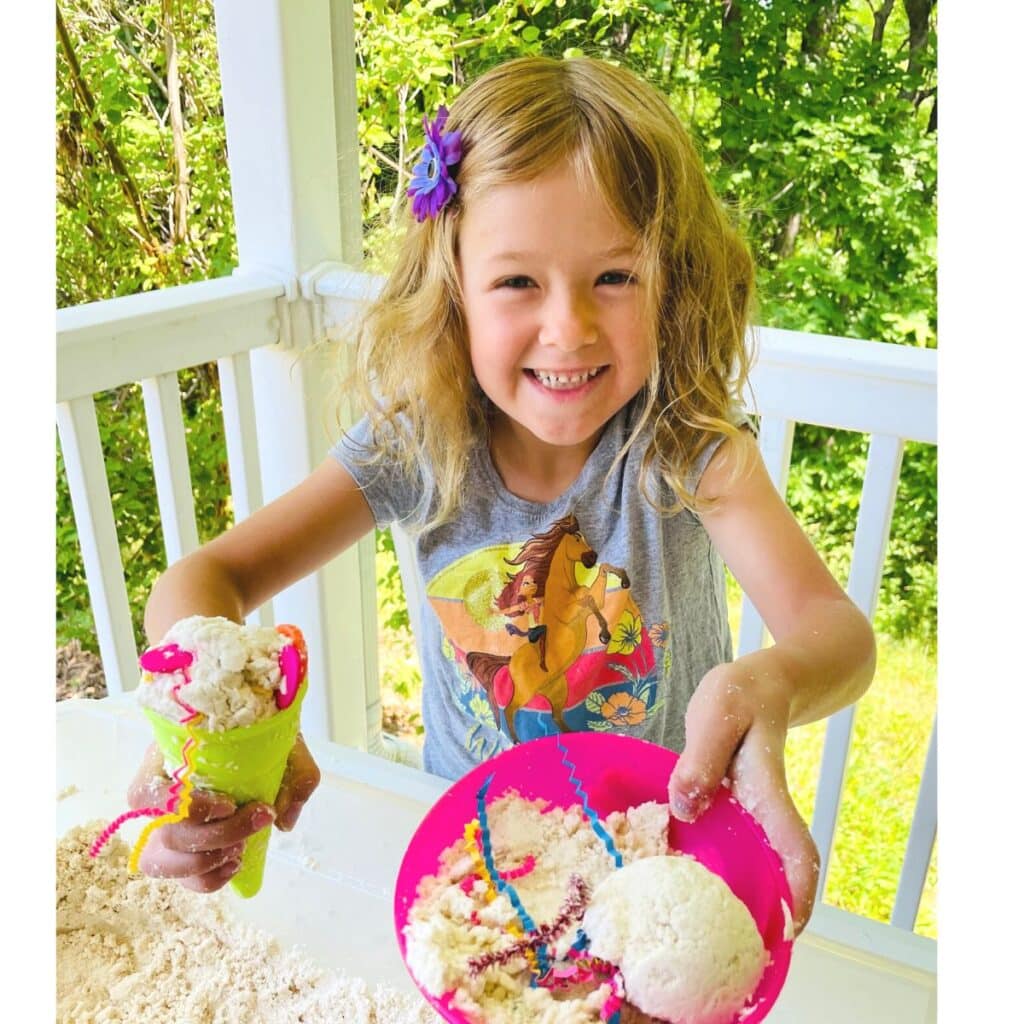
x: 245, y: 764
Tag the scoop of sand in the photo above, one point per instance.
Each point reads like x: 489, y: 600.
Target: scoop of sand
x: 688, y: 949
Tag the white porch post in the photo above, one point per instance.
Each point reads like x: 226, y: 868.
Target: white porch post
x: 288, y: 81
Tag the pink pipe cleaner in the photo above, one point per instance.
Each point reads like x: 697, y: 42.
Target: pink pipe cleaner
x: 181, y: 787
x: 571, y: 910
x: 582, y: 970
x: 107, y: 834
x: 168, y: 658
x: 614, y: 1002
x: 577, y: 973
x: 466, y: 885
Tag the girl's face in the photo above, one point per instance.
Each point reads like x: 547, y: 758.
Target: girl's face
x: 552, y: 307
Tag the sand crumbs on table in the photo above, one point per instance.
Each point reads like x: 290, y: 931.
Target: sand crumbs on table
x: 134, y: 949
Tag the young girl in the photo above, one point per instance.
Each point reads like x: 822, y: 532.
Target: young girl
x: 551, y: 377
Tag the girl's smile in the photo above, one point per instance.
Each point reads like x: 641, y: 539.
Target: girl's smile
x: 556, y: 334
x: 565, y: 384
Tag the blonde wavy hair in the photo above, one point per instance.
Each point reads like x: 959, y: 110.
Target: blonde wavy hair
x: 412, y: 373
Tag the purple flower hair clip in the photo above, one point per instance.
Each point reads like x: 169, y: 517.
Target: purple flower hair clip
x: 432, y: 181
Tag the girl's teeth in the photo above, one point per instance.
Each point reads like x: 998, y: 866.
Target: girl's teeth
x: 562, y: 380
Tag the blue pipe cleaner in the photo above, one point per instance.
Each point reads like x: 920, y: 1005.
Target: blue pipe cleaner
x: 595, y: 823
x: 503, y: 886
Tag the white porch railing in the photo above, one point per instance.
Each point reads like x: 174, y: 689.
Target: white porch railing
x: 288, y: 89
x: 889, y: 393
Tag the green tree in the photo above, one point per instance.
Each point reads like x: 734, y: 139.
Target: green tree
x: 143, y: 202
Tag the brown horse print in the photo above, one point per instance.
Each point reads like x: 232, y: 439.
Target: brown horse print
x: 559, y: 609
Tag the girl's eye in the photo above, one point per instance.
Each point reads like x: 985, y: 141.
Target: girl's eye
x: 616, y: 277
x: 516, y: 282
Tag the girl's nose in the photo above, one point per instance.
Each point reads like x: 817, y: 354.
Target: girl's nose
x: 568, y: 323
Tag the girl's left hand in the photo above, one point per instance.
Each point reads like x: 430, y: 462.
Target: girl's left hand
x: 736, y: 727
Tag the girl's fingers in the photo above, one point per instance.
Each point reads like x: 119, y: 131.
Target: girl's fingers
x: 160, y: 861
x: 207, y: 806
x: 301, y: 778
x: 148, y: 788
x: 760, y: 786
x: 713, y: 732
x: 151, y: 788
x: 191, y: 837
x: 212, y: 880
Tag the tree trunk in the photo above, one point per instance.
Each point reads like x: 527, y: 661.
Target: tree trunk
x: 677, y: 49
x: 403, y: 98
x: 814, y: 42
x: 919, y: 17
x: 785, y: 240
x: 178, y: 228
x: 730, y: 54
x: 622, y: 36
x: 815, y: 36
x: 85, y: 97
x: 881, y: 18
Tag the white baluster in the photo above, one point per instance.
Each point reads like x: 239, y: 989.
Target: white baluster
x: 97, y: 536
x: 918, y: 855
x: 239, y: 414
x: 878, y: 497
x: 162, y: 399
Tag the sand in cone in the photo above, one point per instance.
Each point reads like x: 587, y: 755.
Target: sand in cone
x: 245, y: 764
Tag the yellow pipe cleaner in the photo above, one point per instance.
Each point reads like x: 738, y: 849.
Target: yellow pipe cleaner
x: 180, y: 812
x: 514, y: 929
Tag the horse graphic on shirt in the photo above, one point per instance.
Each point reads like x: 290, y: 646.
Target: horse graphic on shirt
x: 565, y: 608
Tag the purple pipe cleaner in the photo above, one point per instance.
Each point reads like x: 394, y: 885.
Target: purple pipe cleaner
x: 432, y: 182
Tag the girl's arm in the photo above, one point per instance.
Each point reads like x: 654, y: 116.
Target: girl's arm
x: 282, y: 542
x: 824, y: 652
x: 271, y: 549
x: 823, y: 658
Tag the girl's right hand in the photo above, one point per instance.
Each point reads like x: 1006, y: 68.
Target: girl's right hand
x: 204, y: 850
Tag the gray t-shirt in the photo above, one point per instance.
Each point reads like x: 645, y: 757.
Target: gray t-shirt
x: 592, y: 612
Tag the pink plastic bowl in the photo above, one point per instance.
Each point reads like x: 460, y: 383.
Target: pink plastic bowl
x: 617, y: 772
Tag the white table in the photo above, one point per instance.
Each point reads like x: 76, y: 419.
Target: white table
x: 339, y: 866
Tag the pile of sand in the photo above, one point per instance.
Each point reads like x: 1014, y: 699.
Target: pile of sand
x: 133, y: 949
x: 688, y: 949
